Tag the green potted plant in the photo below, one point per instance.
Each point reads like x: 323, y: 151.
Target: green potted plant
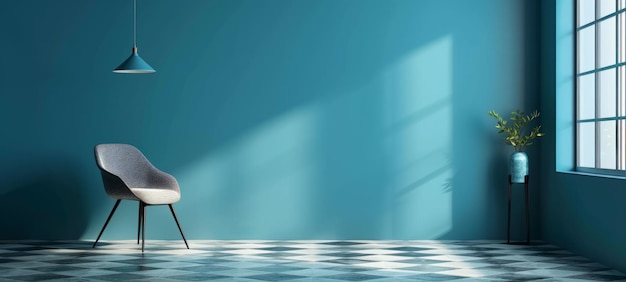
x: 515, y: 129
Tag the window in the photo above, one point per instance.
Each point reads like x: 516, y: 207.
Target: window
x: 600, y: 86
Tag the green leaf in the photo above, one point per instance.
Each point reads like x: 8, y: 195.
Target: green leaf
x: 515, y: 128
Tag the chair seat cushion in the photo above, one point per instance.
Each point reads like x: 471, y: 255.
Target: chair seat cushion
x: 155, y: 196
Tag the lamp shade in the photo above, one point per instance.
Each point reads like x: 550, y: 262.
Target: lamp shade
x: 134, y: 64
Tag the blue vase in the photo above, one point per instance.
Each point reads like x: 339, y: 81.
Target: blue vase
x: 518, y: 167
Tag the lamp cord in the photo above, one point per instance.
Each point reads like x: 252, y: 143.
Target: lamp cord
x: 135, y: 24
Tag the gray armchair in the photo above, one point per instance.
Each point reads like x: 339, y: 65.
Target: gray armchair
x: 128, y: 175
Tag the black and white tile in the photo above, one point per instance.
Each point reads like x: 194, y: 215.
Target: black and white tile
x: 335, y: 261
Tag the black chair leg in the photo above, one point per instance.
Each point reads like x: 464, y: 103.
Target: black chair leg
x: 143, y: 224
x: 178, y: 224
x: 117, y: 203
x: 140, y: 213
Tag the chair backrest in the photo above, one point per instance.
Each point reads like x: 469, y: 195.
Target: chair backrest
x: 126, y: 162
x: 124, y: 167
x: 123, y: 160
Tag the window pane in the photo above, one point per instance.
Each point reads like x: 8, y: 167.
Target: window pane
x: 622, y: 37
x: 606, y: 7
x: 622, y: 91
x: 622, y: 144
x: 587, y: 96
x: 608, y: 142
x: 586, y: 144
x: 608, y: 93
x: 586, y: 11
x: 586, y: 49
x: 607, y: 42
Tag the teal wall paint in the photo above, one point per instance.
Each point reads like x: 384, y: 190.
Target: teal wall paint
x: 282, y: 120
x: 581, y: 213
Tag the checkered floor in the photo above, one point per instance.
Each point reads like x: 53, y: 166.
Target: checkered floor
x: 295, y: 261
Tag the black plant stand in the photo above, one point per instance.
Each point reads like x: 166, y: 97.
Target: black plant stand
x: 508, y: 232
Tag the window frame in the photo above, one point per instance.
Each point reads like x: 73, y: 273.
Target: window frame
x: 619, y: 116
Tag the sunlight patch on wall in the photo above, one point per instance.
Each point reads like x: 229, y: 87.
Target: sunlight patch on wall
x: 419, y: 117
x: 261, y: 182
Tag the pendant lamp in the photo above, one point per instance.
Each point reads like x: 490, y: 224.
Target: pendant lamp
x: 134, y: 63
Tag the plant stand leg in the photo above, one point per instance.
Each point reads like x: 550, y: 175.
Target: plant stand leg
x: 508, y: 225
x: 526, y: 179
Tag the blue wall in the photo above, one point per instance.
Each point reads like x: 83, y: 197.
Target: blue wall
x: 580, y: 212
x: 281, y: 119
